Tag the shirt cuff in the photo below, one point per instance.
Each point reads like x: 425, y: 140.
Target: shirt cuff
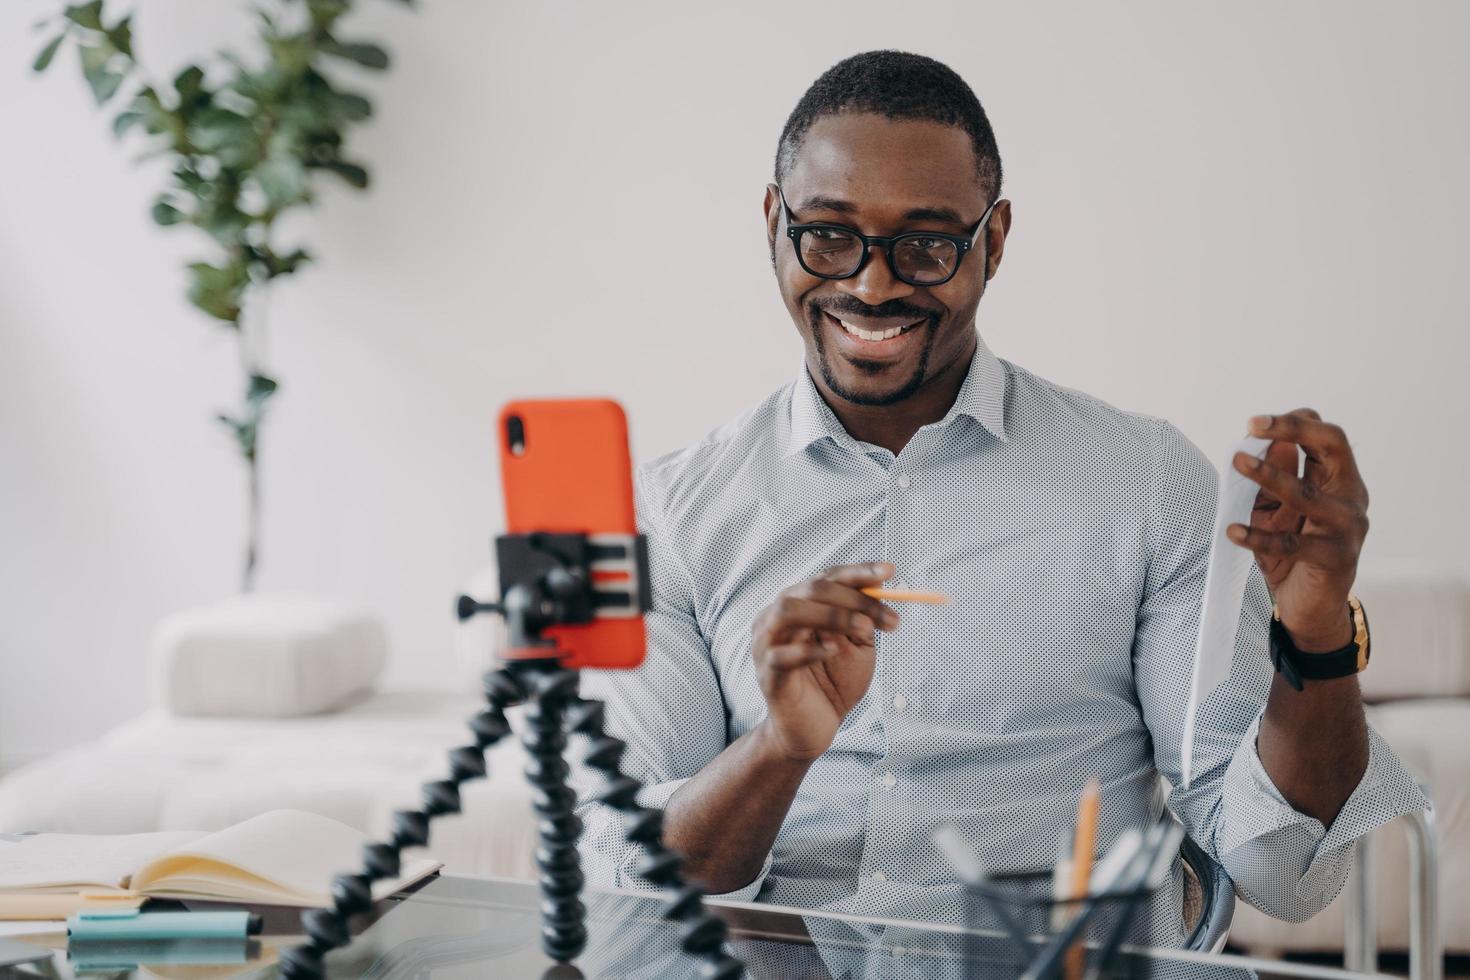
x: 1385, y: 792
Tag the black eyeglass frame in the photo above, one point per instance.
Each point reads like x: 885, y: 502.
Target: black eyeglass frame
x: 963, y: 243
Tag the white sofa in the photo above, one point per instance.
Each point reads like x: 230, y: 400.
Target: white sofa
x: 263, y: 702
x: 362, y: 761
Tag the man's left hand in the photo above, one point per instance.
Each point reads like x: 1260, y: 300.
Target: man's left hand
x: 1306, y: 531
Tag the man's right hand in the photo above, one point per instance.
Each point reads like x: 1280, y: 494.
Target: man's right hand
x: 814, y: 657
x: 814, y: 654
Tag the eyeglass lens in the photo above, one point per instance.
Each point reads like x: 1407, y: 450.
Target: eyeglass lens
x: 918, y: 258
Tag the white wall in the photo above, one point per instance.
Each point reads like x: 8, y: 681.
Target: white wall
x: 1217, y: 212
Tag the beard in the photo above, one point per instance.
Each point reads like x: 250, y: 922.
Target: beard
x: 888, y: 396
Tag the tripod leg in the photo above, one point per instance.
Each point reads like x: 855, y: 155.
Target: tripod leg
x: 327, y: 928
x: 563, y: 916
x: 702, y: 934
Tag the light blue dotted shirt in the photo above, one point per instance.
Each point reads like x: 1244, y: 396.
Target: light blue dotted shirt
x: 1074, y: 539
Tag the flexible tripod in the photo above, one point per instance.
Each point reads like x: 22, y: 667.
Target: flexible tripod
x: 546, y: 581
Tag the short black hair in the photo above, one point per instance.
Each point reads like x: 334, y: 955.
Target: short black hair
x: 898, y: 85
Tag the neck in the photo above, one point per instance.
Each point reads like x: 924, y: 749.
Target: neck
x: 892, y: 426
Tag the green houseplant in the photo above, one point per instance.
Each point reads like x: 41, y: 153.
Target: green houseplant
x: 246, y: 138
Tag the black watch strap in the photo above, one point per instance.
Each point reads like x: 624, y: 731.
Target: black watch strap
x: 1297, y: 666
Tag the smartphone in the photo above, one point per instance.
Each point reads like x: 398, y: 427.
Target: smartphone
x: 565, y: 468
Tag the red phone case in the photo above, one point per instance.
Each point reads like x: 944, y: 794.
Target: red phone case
x: 574, y: 474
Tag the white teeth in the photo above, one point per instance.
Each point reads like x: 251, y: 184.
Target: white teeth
x: 862, y: 334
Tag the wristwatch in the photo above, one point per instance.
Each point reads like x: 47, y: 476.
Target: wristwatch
x: 1297, y: 666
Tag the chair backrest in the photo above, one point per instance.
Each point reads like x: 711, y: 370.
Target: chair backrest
x: 1217, y: 903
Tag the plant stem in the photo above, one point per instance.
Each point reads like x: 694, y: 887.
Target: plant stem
x: 252, y: 533
x: 250, y: 345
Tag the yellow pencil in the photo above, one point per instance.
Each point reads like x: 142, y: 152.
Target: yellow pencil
x: 907, y: 595
x: 1083, y: 846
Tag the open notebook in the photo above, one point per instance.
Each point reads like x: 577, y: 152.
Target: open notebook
x: 284, y: 857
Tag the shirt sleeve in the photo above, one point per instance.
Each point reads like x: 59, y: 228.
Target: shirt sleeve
x: 670, y: 712
x: 1284, y: 862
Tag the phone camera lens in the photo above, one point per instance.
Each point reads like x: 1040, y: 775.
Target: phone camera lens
x: 515, y: 435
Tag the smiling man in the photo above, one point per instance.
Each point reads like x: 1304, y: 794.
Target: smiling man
x: 807, y: 740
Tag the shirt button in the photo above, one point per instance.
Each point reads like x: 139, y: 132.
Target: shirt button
x: 900, y: 702
x: 903, y: 481
x: 889, y: 780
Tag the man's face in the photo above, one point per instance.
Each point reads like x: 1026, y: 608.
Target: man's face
x: 881, y: 176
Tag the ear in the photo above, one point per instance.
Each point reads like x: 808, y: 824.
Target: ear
x: 996, y: 230
x: 772, y: 207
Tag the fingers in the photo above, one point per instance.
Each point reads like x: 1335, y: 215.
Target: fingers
x: 792, y: 612
x: 1323, y: 442
x: 861, y: 574
x: 847, y: 597
x: 1322, y: 550
x: 1297, y: 494
x: 1283, y: 455
x: 791, y: 656
x: 822, y: 616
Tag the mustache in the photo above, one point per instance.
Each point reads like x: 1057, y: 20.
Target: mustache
x: 893, y: 308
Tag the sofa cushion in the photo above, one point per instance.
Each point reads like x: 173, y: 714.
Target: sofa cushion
x: 1421, y: 636
x: 264, y: 656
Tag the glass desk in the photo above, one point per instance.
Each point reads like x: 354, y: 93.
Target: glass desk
x: 455, y: 926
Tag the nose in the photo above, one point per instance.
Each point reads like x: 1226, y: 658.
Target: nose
x: 875, y: 283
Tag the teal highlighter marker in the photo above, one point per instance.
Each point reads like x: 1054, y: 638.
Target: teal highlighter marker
x: 135, y: 924
x: 91, y: 956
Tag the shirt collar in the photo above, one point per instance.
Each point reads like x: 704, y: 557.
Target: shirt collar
x: 981, y: 397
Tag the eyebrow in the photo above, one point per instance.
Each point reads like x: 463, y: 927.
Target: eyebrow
x: 913, y: 214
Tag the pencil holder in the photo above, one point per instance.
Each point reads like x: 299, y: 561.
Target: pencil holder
x: 1018, y: 928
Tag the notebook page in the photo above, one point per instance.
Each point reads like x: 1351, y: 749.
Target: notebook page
x: 287, y: 855
x: 69, y: 862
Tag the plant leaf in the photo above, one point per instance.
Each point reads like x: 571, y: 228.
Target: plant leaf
x: 104, y: 85
x: 364, y: 53
x: 284, y: 265
x: 156, y: 119
x: 217, y: 291
x: 352, y: 173
x: 352, y: 106
x: 43, y: 60
x: 189, y: 83
x: 283, y: 179
x: 226, y: 224
x: 86, y: 14
x: 124, y: 121
x: 190, y: 179
x: 227, y: 134
x: 103, y: 80
x: 121, y: 35
x: 165, y: 214
x: 244, y: 433
x: 260, y: 389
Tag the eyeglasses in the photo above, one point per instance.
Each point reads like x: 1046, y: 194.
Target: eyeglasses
x: 919, y: 258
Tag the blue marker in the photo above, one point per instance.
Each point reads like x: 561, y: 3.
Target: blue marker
x: 134, y: 924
